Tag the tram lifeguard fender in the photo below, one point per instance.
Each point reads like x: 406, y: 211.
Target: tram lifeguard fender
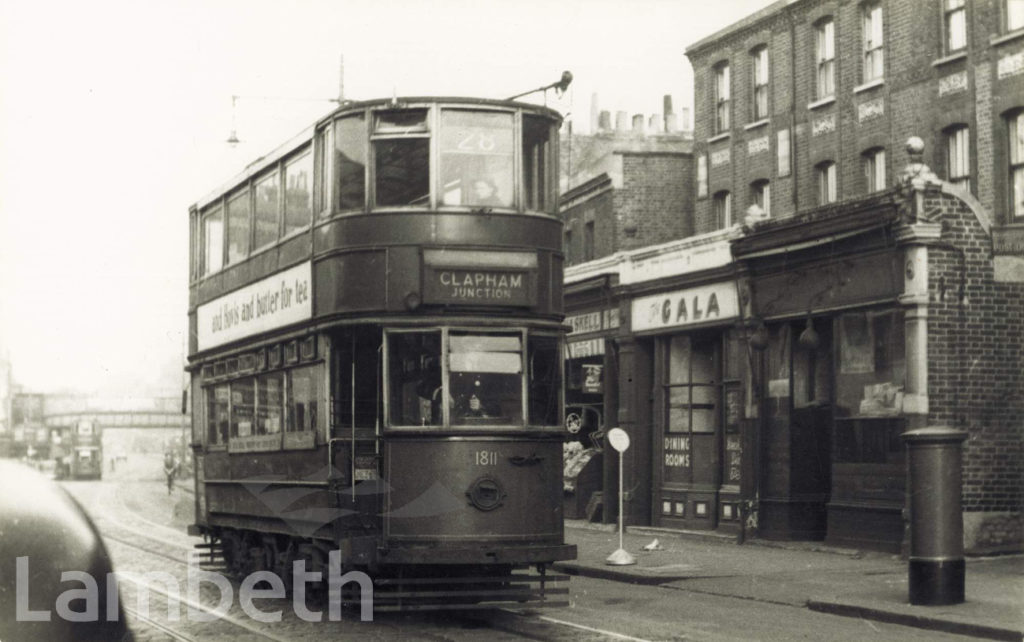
x: 44, y: 533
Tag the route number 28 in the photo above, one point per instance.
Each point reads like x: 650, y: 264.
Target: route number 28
x: 486, y: 457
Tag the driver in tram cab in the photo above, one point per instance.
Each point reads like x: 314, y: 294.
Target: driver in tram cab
x: 472, y: 403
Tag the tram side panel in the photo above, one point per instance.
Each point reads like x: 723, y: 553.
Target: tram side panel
x: 473, y: 499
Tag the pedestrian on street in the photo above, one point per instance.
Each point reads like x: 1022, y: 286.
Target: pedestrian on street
x: 170, y: 470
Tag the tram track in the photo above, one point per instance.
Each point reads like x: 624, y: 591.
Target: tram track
x: 518, y: 625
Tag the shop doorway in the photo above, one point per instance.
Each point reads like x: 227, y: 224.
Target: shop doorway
x: 697, y: 410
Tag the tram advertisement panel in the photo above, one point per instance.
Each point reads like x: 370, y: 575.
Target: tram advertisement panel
x: 273, y: 302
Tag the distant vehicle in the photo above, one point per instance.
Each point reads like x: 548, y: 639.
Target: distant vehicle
x: 376, y: 353
x: 78, y: 451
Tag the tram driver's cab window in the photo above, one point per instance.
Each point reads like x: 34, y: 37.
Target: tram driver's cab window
x: 486, y: 378
x: 477, y: 158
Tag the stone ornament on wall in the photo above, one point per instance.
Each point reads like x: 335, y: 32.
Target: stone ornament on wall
x: 721, y: 157
x: 823, y: 125
x: 953, y: 83
x: 757, y: 145
x: 871, y: 109
x: 1011, y: 65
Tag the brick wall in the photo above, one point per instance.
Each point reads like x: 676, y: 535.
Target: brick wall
x: 976, y: 359
x: 655, y: 203
x: 924, y: 91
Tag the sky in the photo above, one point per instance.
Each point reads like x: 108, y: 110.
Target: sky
x: 114, y: 116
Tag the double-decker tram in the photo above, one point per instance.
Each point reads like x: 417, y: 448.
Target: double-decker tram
x: 77, y: 450
x: 376, y: 354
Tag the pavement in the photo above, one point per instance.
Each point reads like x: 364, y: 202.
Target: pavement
x: 848, y: 582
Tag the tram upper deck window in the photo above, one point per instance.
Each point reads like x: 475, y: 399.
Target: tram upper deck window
x: 268, y: 207
x: 477, y: 158
x: 298, y: 194
x: 238, y: 226
x: 536, y: 166
x: 350, y: 163
x: 401, y: 149
x: 486, y: 378
x: 213, y: 240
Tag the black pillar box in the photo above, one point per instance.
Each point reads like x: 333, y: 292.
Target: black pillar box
x: 937, y: 570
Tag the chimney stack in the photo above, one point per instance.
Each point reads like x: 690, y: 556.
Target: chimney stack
x: 594, y: 124
x: 604, y: 121
x: 638, y: 124
x: 685, y: 125
x: 655, y: 124
x: 621, y: 121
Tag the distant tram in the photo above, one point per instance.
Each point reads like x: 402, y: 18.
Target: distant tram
x: 77, y: 450
x: 376, y: 353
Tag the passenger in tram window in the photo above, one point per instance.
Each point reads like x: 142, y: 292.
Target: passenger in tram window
x: 485, y: 193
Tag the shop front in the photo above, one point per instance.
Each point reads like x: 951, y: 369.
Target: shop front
x: 831, y: 329
x: 590, y: 397
x: 690, y: 334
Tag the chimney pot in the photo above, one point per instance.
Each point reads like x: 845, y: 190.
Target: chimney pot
x: 621, y: 121
x: 638, y: 124
x: 604, y: 121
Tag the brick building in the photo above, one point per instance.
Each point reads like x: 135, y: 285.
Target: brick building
x: 879, y: 298
x: 834, y: 286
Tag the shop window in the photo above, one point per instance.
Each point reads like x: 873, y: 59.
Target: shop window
x: 871, y: 364
x: 825, y: 58
x: 693, y: 386
x: 243, y: 407
x: 238, y: 226
x: 298, y: 193
x: 873, y: 40
x: 812, y: 363
x: 476, y: 158
x: 759, y: 77
x: 958, y: 156
x: 721, y: 97
x: 955, y: 25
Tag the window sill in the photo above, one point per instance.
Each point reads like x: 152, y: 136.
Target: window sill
x: 878, y: 82
x: 756, y: 124
x: 828, y: 100
x: 1007, y: 37
x: 960, y: 55
x: 718, y: 137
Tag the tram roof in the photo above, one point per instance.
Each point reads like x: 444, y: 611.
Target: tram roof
x: 290, y: 145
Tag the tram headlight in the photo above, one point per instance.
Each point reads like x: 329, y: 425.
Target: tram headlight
x: 412, y: 301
